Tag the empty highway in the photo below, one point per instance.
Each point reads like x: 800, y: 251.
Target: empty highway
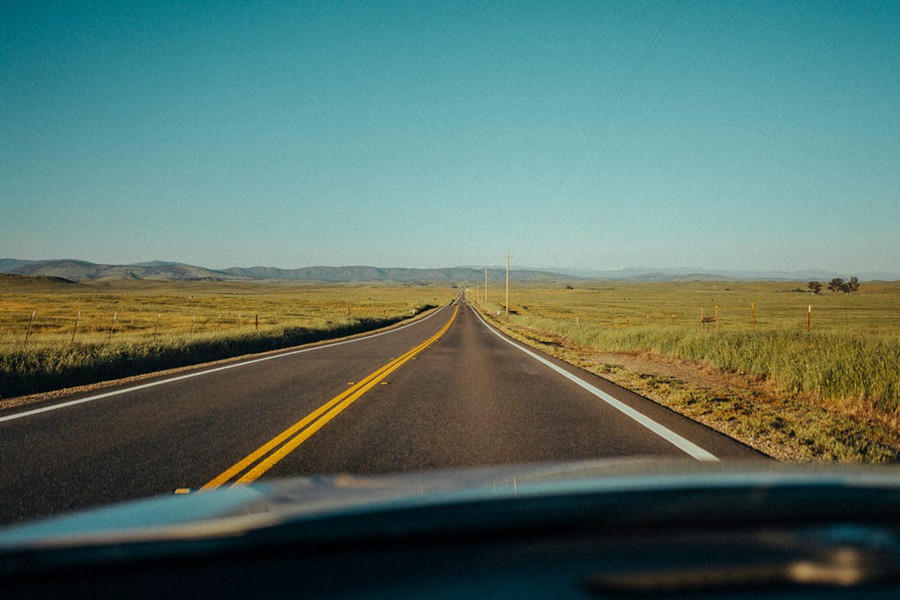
x: 443, y: 391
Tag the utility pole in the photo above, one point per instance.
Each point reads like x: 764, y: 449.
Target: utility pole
x: 507, y: 283
x: 485, y: 285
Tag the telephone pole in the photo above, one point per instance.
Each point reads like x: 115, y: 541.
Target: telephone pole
x: 507, y: 283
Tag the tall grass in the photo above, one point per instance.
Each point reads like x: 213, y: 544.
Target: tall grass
x: 862, y: 369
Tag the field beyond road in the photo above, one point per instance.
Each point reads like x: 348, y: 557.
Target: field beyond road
x: 55, y: 333
x: 797, y: 375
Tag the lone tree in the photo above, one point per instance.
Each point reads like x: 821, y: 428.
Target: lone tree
x: 815, y: 286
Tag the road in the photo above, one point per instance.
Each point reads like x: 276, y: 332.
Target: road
x: 445, y: 391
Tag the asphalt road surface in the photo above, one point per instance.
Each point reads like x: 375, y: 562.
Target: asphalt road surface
x: 444, y: 391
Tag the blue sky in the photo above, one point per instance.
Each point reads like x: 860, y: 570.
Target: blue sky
x: 752, y: 135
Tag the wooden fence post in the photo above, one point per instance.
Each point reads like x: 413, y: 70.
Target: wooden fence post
x: 113, y: 326
x: 28, y: 331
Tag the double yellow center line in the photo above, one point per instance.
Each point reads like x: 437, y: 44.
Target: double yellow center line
x: 254, y: 465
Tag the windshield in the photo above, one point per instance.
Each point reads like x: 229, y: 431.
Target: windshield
x: 247, y: 242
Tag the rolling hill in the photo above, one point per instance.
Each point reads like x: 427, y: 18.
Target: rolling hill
x: 77, y: 270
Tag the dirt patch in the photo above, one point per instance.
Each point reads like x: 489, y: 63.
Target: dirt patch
x: 660, y: 365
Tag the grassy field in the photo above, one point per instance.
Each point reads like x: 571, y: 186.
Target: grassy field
x: 847, y: 363
x: 86, y: 332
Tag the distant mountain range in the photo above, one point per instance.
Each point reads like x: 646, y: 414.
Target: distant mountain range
x: 79, y: 270
x: 695, y: 274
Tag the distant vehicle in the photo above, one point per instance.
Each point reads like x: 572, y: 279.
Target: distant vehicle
x: 600, y: 529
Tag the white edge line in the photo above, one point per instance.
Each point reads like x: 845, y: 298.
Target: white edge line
x: 670, y: 436
x: 144, y: 386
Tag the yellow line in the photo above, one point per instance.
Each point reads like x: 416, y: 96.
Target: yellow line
x: 266, y: 456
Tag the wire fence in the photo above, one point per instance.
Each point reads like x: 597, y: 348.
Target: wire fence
x: 36, y: 329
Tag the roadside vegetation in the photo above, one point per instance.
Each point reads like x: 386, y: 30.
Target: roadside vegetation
x: 797, y: 374
x: 56, y: 334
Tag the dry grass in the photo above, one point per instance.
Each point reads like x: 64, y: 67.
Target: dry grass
x: 831, y: 393
x: 83, y: 333
x: 145, y: 309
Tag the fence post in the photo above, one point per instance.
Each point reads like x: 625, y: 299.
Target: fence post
x: 28, y: 331
x: 113, y: 326
x: 809, y: 318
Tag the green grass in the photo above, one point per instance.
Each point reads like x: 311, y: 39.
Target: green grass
x: 162, y: 325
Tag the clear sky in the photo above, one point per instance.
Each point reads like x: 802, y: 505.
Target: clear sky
x: 750, y: 135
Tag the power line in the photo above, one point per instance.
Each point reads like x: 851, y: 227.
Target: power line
x: 660, y: 32
x: 676, y: 81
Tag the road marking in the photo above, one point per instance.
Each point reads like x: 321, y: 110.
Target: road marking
x: 667, y: 434
x: 144, y: 386
x: 255, y: 464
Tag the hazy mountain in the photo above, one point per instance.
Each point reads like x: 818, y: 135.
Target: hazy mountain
x: 79, y: 270
x: 696, y: 274
x: 398, y: 274
x: 159, y: 263
x: 8, y: 264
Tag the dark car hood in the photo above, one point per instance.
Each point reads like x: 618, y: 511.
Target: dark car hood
x: 629, y: 489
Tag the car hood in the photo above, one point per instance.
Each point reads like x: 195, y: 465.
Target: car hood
x: 628, y: 490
